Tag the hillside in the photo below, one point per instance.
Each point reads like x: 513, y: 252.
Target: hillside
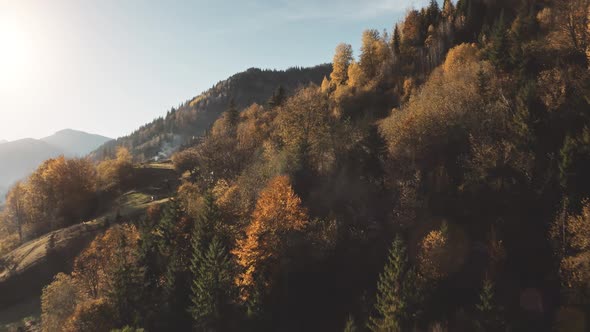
x: 437, y: 181
x: 75, y: 143
x: 21, y: 157
x: 26, y: 269
x: 193, y: 118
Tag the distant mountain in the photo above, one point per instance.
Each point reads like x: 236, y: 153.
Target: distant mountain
x: 21, y: 157
x: 164, y: 135
x: 75, y: 143
x: 2, y: 141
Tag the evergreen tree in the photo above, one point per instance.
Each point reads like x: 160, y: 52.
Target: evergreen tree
x: 482, y: 82
x: 278, y: 98
x: 489, y: 318
x: 202, y: 237
x: 391, y: 305
x: 432, y: 13
x: 350, y: 325
x: 233, y: 116
x: 212, y: 288
x: 396, y: 40
x: 125, y: 291
x: 498, y: 49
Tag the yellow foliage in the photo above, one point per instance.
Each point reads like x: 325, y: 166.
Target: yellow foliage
x: 278, y: 212
x: 416, y: 132
x: 460, y: 56
x: 94, y: 315
x: 304, y: 126
x: 94, y: 267
x: 433, y: 250
x: 115, y: 171
x: 356, y: 76
x: 254, y: 127
x: 575, y: 253
x: 342, y: 60
x: 58, y: 302
x: 552, y: 88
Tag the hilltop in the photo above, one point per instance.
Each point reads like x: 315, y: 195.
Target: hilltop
x: 161, y: 137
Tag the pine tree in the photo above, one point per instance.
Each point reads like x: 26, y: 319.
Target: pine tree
x: 489, y: 318
x: 498, y: 49
x: 278, y: 97
x: 396, y: 41
x: 432, y: 13
x: 233, y: 116
x: 350, y: 325
x: 391, y: 306
x: 212, y: 288
x: 126, y: 289
x: 448, y: 10
x: 202, y: 237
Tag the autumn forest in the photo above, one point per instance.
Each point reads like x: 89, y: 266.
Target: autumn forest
x: 436, y: 181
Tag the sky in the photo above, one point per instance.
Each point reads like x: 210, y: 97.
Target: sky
x: 110, y: 66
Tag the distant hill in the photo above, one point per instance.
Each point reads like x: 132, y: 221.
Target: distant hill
x: 164, y: 135
x: 21, y: 157
x: 2, y: 141
x: 75, y: 143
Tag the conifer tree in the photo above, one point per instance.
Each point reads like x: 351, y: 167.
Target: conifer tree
x: 432, y: 13
x: 278, y: 97
x: 350, y: 325
x: 233, y: 116
x: 202, y: 236
x: 391, y: 305
x: 489, y: 314
x: 125, y: 291
x: 212, y: 288
x: 396, y: 40
x: 498, y: 49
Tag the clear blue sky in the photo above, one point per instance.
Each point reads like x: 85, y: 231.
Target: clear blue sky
x: 109, y: 66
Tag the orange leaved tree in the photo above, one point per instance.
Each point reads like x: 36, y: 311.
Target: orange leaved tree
x: 278, y: 213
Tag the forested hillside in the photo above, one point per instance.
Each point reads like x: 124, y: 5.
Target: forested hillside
x: 182, y: 125
x: 434, y: 182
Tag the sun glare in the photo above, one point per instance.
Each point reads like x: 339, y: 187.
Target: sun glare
x: 15, y: 53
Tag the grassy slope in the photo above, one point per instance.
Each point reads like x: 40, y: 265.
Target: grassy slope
x: 32, y: 265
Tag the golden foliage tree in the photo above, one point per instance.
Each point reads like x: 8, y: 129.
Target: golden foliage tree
x: 58, y: 193
x: 114, y: 172
x: 374, y: 53
x: 95, y: 266
x: 356, y: 76
x: 433, y: 250
x: 342, y: 60
x: 94, y: 315
x: 15, y: 209
x: 460, y: 56
x: 304, y: 127
x: 278, y: 212
x: 571, y: 233
x: 58, y: 302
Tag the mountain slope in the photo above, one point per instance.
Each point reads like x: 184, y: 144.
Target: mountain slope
x: 164, y: 135
x: 74, y: 142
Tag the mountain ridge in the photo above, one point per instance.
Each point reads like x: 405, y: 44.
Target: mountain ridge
x: 162, y: 136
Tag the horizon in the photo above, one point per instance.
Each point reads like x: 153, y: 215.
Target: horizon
x: 132, y: 64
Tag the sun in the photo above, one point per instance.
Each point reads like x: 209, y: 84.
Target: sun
x: 15, y: 53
